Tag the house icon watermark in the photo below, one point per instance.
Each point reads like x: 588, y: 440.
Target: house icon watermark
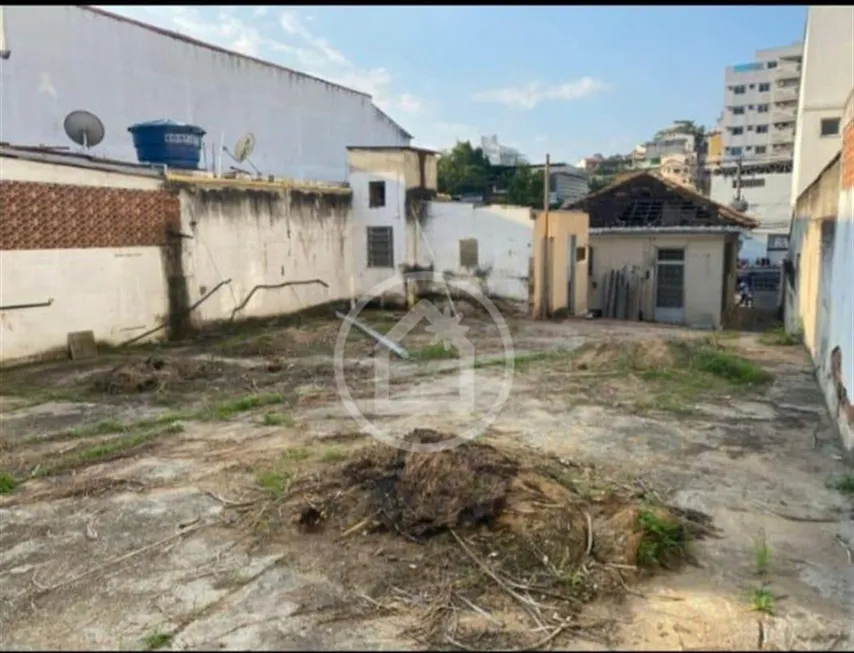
x: 391, y: 418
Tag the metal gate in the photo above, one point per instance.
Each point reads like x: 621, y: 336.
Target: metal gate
x: 670, y: 286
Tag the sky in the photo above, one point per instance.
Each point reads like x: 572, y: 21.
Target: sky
x: 568, y: 81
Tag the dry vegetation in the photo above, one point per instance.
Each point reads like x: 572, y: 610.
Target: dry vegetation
x: 512, y: 544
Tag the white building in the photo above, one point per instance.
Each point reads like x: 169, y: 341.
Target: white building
x: 761, y: 103
x: 500, y: 155
x: 65, y: 58
x: 757, y: 128
x: 826, y: 82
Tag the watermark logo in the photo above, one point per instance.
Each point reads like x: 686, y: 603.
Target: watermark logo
x: 455, y: 397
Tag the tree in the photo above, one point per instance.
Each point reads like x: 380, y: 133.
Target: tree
x: 525, y: 188
x: 464, y: 169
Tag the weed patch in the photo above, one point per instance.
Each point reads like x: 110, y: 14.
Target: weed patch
x: 7, y: 483
x: 781, y: 338
x: 156, y: 640
x: 277, y: 419
x: 664, y: 538
x: 843, y: 483
x: 763, y: 600
x: 435, y: 351
x: 231, y: 407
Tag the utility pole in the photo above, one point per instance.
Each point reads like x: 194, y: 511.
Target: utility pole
x: 546, y: 269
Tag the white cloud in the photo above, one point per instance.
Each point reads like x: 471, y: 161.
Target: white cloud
x: 530, y: 96
x: 320, y: 58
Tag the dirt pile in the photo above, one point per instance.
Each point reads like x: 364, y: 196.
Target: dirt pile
x: 507, y: 529
x: 152, y: 373
x: 613, y: 354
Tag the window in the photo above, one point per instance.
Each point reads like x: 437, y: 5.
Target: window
x: 772, y: 64
x: 380, y: 247
x: 778, y: 242
x: 735, y: 151
x: 764, y: 87
x: 580, y: 254
x: 750, y: 107
x: 829, y: 126
x: 762, y: 108
x: 468, y: 253
x: 738, y: 90
x: 761, y: 129
x: 750, y: 128
x: 590, y: 263
x: 752, y: 86
x: 376, y: 194
x: 737, y: 131
x: 761, y: 149
x: 737, y: 111
x: 757, y: 182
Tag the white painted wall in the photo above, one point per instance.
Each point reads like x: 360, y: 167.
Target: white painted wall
x: 390, y: 215
x: 13, y: 169
x: 827, y: 79
x: 66, y: 57
x: 116, y: 293
x: 262, y: 238
x: 504, y: 244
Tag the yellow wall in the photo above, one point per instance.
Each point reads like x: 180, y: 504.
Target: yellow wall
x: 561, y: 224
x: 704, y: 271
x: 820, y: 201
x: 394, y: 160
x: 715, y: 147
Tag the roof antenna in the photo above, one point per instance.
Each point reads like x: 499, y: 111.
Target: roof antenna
x: 5, y: 52
x: 84, y: 128
x: 243, y: 150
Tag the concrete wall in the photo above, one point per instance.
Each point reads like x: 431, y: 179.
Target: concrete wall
x: 561, y: 225
x: 63, y: 57
x: 704, y: 270
x: 89, y: 240
x: 826, y: 81
x: 263, y: 237
x: 820, y: 302
x: 503, y: 236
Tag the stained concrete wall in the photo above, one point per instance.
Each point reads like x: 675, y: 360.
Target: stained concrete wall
x: 559, y: 226
x: 262, y: 239
x: 503, y: 236
x: 820, y: 294
x: 705, y: 272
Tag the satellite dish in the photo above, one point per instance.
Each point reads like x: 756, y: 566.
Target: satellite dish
x: 244, y: 147
x: 84, y: 128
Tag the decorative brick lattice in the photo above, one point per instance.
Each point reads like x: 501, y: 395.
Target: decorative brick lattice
x: 61, y: 216
x: 848, y: 156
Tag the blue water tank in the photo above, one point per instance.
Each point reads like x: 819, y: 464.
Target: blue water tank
x: 168, y: 143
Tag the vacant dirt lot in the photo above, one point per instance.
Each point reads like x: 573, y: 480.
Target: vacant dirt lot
x: 643, y: 487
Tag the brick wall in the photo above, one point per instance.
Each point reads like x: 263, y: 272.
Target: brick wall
x: 61, y: 216
x: 848, y: 155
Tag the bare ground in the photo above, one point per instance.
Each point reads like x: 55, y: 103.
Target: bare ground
x: 155, y: 490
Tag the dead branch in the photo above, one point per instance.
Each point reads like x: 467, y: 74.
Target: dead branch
x: 589, y: 532
x: 538, y: 644
x: 483, y: 613
x: 528, y: 604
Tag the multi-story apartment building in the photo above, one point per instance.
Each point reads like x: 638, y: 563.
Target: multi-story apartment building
x: 826, y: 82
x: 761, y: 104
x: 757, y: 144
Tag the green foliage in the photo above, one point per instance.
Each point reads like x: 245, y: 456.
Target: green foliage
x: 466, y: 170
x: 526, y: 188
